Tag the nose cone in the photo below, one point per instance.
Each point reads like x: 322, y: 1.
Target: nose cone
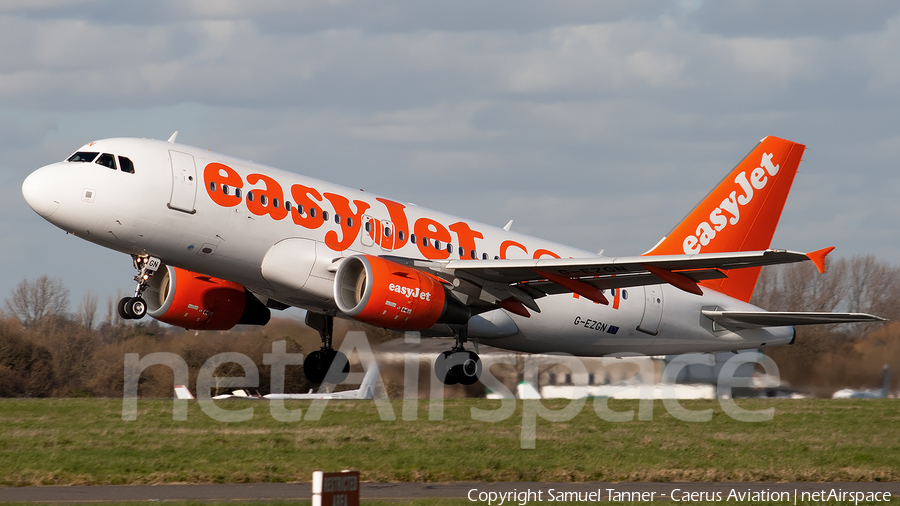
x: 37, y: 190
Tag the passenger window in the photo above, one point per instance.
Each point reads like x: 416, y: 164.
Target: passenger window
x: 312, y: 211
x: 400, y: 235
x: 424, y: 241
x: 368, y: 226
x: 484, y: 256
x: 237, y: 192
x: 287, y: 205
x: 224, y: 188
x: 387, y: 232
x: 299, y: 209
x: 107, y: 160
x: 212, y: 186
x: 473, y: 254
x: 437, y: 244
x: 449, y: 248
x: 625, y: 294
x: 325, y: 215
x: 250, y: 196
x: 337, y: 218
x: 496, y: 257
x: 350, y: 222
x: 126, y: 165
x: 264, y: 200
x: 412, y: 238
x: 82, y: 156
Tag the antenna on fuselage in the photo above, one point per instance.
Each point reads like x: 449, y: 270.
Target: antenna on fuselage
x: 172, y: 139
x: 508, y: 225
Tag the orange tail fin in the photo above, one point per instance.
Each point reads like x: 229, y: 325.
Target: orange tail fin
x: 740, y: 214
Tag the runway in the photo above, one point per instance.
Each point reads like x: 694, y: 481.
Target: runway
x: 411, y: 491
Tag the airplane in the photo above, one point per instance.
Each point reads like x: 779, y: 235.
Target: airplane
x: 882, y: 393
x: 366, y: 390
x: 217, y: 241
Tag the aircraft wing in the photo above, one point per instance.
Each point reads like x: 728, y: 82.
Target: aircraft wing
x: 528, y: 279
x: 745, y: 319
x: 518, y: 271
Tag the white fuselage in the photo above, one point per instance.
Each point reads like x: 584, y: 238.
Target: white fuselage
x: 168, y: 208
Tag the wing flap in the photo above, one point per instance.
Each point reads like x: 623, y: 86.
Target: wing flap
x: 751, y: 319
x: 626, y: 281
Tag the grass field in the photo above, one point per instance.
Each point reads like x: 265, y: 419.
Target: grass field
x: 85, y: 441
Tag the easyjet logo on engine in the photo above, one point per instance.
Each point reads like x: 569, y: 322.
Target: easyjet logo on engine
x: 410, y: 293
x: 729, y: 210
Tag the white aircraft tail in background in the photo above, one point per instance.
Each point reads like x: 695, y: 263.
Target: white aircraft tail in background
x: 849, y: 393
x: 182, y: 392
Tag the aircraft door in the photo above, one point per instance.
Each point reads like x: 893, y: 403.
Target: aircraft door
x: 653, y: 303
x: 184, y: 182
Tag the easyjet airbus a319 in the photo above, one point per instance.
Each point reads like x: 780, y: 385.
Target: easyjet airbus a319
x: 219, y: 242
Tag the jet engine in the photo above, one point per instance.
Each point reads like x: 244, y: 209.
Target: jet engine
x: 199, y: 302
x: 387, y: 294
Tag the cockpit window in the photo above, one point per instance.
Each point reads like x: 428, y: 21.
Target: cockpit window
x: 126, y: 165
x: 107, y: 160
x: 82, y: 156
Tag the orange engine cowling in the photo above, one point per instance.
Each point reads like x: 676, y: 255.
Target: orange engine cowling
x: 198, y: 302
x: 381, y: 292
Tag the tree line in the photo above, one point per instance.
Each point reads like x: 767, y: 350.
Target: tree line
x: 47, y: 350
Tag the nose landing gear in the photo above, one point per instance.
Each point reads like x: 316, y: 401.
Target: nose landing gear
x: 134, y: 308
x: 326, y: 363
x: 458, y: 365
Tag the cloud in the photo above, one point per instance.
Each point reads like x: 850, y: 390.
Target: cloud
x: 594, y: 124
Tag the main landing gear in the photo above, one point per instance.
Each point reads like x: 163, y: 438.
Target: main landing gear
x: 458, y: 365
x: 326, y: 363
x: 134, y: 308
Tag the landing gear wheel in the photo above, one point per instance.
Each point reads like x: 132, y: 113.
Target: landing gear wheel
x: 122, y: 308
x: 326, y: 364
x: 136, y: 307
x: 442, y: 369
x: 465, y: 367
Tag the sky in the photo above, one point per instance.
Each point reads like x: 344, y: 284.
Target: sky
x: 594, y: 124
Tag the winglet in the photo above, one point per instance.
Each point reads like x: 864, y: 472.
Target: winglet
x: 818, y: 257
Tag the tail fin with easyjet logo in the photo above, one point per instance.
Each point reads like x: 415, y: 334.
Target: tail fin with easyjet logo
x: 740, y: 214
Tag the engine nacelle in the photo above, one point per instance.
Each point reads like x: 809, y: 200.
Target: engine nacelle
x: 390, y: 295
x: 198, y: 302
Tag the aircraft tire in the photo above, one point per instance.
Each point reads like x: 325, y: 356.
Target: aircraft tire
x: 123, y: 308
x: 136, y: 307
x: 465, y: 367
x: 442, y: 369
x: 326, y: 364
x: 338, y: 367
x: 312, y: 367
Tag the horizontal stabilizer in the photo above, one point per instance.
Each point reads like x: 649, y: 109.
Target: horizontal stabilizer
x: 756, y: 319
